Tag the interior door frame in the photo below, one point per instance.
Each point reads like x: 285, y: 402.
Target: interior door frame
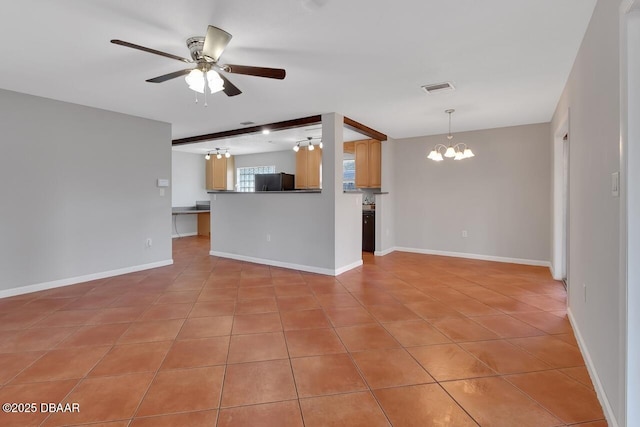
x: 558, y: 213
x: 630, y: 208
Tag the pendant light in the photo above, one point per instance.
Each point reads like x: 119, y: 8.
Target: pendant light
x: 459, y: 151
x: 310, y: 145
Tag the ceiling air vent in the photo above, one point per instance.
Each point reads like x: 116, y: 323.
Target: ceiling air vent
x: 438, y: 87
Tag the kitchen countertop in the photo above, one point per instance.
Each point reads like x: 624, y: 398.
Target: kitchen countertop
x: 263, y: 192
x: 189, y: 210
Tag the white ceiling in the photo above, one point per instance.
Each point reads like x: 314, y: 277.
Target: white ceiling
x: 366, y: 59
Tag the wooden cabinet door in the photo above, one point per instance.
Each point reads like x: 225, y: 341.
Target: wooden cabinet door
x: 209, y: 174
x: 314, y: 168
x: 219, y: 173
x: 361, y: 149
x: 375, y: 163
x: 348, y: 147
x: 301, y: 169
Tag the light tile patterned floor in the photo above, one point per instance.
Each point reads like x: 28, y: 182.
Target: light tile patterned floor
x: 404, y: 340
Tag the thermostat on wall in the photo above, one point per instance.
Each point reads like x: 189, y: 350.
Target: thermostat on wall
x: 163, y: 182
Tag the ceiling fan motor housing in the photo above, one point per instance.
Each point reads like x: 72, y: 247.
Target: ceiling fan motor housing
x: 195, y: 45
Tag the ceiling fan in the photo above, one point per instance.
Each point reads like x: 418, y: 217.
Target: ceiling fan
x: 205, y: 53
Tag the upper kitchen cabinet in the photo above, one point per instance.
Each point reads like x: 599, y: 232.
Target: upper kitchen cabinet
x: 308, y: 169
x: 220, y: 173
x: 368, y: 154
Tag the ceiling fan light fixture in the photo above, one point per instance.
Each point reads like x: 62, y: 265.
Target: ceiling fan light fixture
x: 195, y: 80
x: 216, y: 84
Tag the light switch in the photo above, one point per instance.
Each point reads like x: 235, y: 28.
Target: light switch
x: 615, y: 184
x: 163, y: 182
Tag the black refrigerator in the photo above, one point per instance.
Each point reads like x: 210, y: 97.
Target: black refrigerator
x: 369, y: 231
x: 274, y: 182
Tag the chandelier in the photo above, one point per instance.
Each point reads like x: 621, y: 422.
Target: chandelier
x: 458, y: 151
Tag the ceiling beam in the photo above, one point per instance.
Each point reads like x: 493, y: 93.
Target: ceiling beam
x: 365, y: 130
x: 287, y: 124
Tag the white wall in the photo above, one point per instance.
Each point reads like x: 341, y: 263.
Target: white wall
x: 592, y: 97
x: 348, y: 206
x: 188, y: 186
x: 306, y: 231
x: 79, y: 195
x: 385, y: 203
x: 284, y: 161
x: 501, y: 196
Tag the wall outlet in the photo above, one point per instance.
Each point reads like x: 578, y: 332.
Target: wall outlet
x: 149, y: 242
x: 584, y: 289
x: 268, y: 237
x: 162, y: 192
x: 464, y: 234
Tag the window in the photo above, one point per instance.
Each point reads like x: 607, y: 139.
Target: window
x: 348, y: 174
x: 246, y: 181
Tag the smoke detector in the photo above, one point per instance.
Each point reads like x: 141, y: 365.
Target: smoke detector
x: 438, y: 87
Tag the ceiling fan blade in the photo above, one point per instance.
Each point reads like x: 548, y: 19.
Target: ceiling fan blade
x: 215, y: 42
x: 149, y: 50
x: 169, y: 76
x: 229, y: 88
x: 271, y: 73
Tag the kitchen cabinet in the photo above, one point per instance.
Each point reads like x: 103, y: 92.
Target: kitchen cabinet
x: 368, y: 154
x: 220, y: 173
x: 204, y: 224
x: 308, y: 169
x: 349, y: 147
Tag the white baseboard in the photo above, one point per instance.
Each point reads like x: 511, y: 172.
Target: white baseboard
x: 348, y: 267
x: 384, y: 252
x: 597, y: 384
x: 475, y: 256
x: 553, y: 272
x: 274, y: 263
x: 175, y: 236
x: 80, y: 279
